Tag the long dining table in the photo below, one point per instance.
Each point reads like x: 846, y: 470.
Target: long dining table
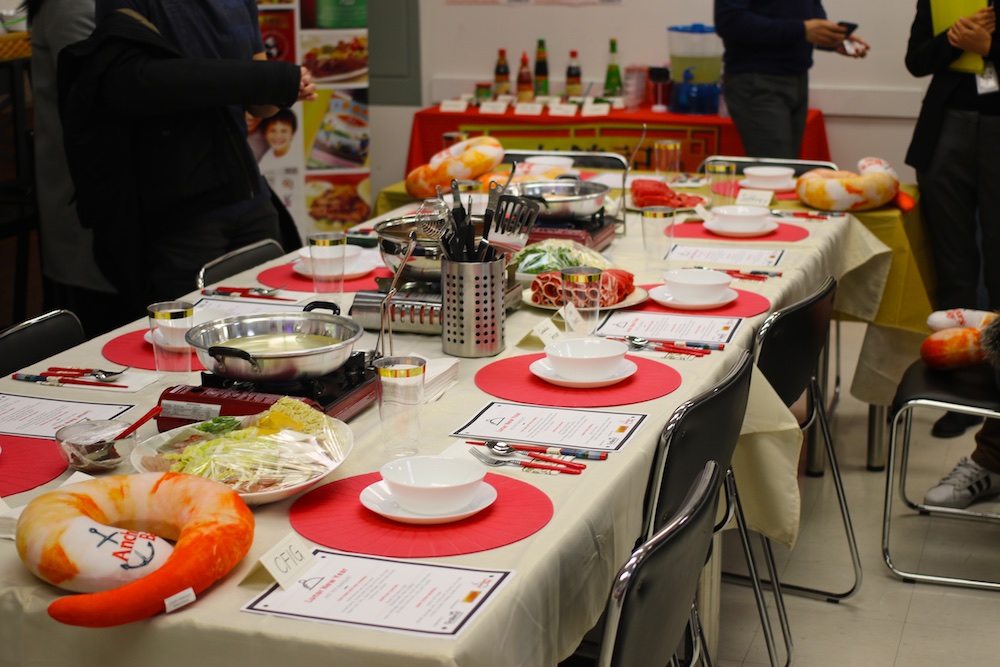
x: 558, y: 577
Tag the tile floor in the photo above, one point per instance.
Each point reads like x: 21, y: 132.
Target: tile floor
x: 888, y: 623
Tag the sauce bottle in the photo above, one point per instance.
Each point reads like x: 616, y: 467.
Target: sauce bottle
x: 501, y: 74
x: 541, y: 70
x: 525, y: 87
x: 613, y: 77
x: 574, y: 79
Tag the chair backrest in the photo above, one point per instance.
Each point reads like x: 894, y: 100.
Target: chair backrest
x: 791, y: 339
x: 33, y: 340
x: 650, y: 601
x: 581, y: 159
x: 238, y: 260
x: 742, y: 162
x: 705, y: 428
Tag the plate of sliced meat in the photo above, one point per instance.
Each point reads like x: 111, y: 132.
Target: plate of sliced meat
x: 618, y: 290
x: 648, y: 192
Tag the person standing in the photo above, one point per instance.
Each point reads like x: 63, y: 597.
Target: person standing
x: 153, y: 107
x: 768, y: 51
x: 953, y: 151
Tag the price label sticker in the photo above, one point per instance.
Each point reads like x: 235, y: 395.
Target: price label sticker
x: 287, y: 559
x: 596, y: 109
x: 751, y: 197
x: 498, y: 107
x: 454, y: 106
x: 563, y: 109
x: 528, y: 109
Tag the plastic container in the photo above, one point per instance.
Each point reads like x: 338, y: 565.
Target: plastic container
x: 698, y: 49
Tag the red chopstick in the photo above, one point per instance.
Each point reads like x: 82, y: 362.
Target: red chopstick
x: 139, y: 422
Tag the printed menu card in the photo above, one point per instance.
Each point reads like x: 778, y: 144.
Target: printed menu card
x: 40, y: 417
x: 674, y: 328
x: 738, y: 256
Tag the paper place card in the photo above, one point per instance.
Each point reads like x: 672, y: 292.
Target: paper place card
x: 497, y: 107
x: 454, y: 106
x: 395, y: 595
x: 528, y: 109
x: 656, y: 326
x: 41, y: 417
x: 552, y: 427
x: 739, y: 256
x: 547, y: 100
x: 286, y: 561
x: 595, y: 109
x: 750, y: 197
x: 507, y: 98
x: 563, y: 109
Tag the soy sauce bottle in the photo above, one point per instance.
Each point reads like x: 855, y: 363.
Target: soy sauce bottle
x: 525, y: 87
x: 501, y: 74
x: 574, y: 77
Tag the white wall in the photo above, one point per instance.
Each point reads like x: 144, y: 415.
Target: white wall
x: 870, y: 105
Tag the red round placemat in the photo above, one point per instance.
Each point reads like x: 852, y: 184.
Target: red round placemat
x: 510, y: 379
x: 334, y: 517
x: 785, y: 233
x: 131, y: 349
x: 283, y: 276
x: 27, y: 463
x: 747, y: 304
x: 722, y: 189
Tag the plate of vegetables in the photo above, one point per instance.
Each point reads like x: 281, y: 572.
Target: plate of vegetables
x: 554, y: 255
x: 265, y: 458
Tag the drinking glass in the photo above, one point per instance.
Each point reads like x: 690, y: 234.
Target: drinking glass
x: 327, y: 259
x: 400, y: 392
x: 657, y: 234
x: 581, y: 296
x: 169, y: 321
x: 667, y: 159
x: 721, y: 181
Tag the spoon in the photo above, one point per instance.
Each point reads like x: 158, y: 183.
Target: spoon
x: 505, y: 449
x: 264, y: 291
x: 107, y: 376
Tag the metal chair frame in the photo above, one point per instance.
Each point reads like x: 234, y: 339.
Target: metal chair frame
x: 970, y: 391
x: 742, y: 162
x: 585, y: 159
x: 40, y: 337
x: 238, y: 260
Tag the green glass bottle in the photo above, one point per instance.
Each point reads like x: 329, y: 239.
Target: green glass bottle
x: 541, y: 70
x: 613, y: 78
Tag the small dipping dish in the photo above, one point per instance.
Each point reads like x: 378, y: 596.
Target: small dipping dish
x: 90, y: 446
x: 740, y: 218
x: 769, y: 177
x: 433, y: 485
x: 697, y: 285
x: 585, y: 359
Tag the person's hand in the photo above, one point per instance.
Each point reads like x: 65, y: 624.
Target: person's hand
x: 820, y: 32
x: 987, y: 18
x: 307, y: 89
x: 853, y: 47
x: 967, y: 34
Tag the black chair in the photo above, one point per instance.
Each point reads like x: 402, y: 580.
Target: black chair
x: 33, y: 340
x: 651, y: 597
x: 742, y: 162
x: 790, y: 343
x: 239, y: 260
x: 707, y: 427
x: 971, y: 390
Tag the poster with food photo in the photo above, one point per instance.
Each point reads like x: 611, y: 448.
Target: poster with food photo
x: 277, y: 29
x: 337, y: 134
x: 334, y: 14
x: 336, y: 56
x: 336, y: 201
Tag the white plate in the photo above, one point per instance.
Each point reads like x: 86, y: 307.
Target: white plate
x: 633, y: 299
x: 705, y: 202
x: 542, y: 369
x: 768, y: 227
x: 362, y: 266
x: 201, y: 315
x: 787, y: 186
x: 378, y: 498
x: 345, y: 439
x: 662, y: 296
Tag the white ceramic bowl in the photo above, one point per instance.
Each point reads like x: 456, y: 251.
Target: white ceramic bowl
x: 697, y: 285
x: 337, y: 254
x: 583, y: 359
x: 433, y: 485
x: 739, y: 218
x: 769, y: 176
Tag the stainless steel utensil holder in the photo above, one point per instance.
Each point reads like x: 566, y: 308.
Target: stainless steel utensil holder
x: 474, y: 312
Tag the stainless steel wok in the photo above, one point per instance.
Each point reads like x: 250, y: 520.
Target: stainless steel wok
x: 564, y: 198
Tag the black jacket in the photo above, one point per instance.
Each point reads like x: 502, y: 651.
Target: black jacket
x: 149, y: 136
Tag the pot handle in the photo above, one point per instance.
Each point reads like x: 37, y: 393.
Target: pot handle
x: 219, y: 353
x: 322, y: 304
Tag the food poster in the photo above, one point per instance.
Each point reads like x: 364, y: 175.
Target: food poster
x: 315, y: 155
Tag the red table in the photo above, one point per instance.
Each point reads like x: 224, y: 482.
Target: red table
x: 619, y: 131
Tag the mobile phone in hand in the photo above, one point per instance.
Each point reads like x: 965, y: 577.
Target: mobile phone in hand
x: 851, y: 27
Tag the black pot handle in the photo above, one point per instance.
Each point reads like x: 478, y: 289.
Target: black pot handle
x: 322, y: 304
x: 220, y: 353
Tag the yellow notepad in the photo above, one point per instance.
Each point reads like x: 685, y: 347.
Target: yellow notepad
x: 943, y: 14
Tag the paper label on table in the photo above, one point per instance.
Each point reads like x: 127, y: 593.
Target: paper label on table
x: 658, y: 326
x: 552, y: 427
x: 41, y: 417
x: 563, y: 109
x: 498, y: 107
x: 454, y: 106
x: 528, y: 109
x: 286, y: 560
x: 596, y: 109
x: 740, y: 256
x: 382, y: 593
x: 178, y: 600
x: 750, y: 197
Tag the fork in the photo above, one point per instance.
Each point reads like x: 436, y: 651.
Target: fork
x: 490, y: 461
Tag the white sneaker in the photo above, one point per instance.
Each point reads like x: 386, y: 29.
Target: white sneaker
x: 964, y: 485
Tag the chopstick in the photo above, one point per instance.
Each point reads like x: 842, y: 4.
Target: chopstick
x: 578, y: 453
x: 139, y: 422
x: 56, y: 380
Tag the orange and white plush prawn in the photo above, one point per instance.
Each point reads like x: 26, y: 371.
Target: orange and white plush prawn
x: 465, y: 160
x: 107, y: 539
x: 958, y: 338
x: 875, y: 184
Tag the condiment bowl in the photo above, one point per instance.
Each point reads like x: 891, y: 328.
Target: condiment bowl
x: 89, y: 446
x: 697, y: 285
x: 582, y: 359
x: 739, y: 218
x: 432, y: 485
x: 769, y: 176
x: 335, y: 256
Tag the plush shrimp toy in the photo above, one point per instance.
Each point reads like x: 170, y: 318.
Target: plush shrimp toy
x: 107, y: 539
x: 875, y: 184
x: 466, y: 160
x: 961, y: 337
